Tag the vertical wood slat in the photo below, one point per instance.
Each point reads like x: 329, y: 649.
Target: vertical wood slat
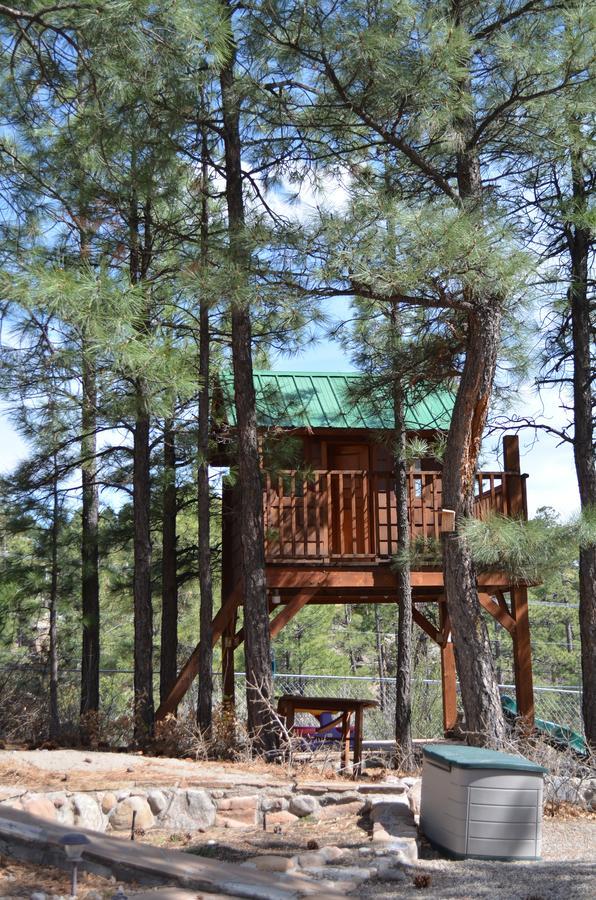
x: 305, y: 496
x: 342, y: 533
x: 329, y: 512
x: 411, y: 497
x: 293, y: 513
x: 280, y: 494
x: 353, y: 513
x: 368, y: 538
x: 317, y: 512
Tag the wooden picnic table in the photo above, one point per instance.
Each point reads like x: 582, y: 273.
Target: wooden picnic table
x: 290, y: 704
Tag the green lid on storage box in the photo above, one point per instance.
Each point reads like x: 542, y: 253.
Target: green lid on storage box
x: 478, y: 758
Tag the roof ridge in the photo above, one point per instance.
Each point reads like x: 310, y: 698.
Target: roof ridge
x: 308, y: 374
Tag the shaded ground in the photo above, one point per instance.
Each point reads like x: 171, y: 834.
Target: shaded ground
x: 18, y: 880
x: 566, y: 871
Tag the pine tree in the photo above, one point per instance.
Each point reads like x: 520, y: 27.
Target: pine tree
x: 440, y: 87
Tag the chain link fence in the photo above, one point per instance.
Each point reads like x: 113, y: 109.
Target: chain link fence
x: 555, y: 704
x: 24, y: 693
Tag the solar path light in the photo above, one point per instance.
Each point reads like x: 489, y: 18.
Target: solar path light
x: 74, y: 845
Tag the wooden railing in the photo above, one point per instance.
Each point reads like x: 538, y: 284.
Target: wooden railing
x: 341, y: 514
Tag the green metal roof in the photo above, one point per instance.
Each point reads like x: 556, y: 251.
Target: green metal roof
x: 332, y: 400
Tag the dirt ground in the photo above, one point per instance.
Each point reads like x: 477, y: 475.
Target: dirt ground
x: 567, y: 868
x: 74, y: 770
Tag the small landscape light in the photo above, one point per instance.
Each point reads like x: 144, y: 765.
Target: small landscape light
x: 276, y: 598
x: 74, y: 845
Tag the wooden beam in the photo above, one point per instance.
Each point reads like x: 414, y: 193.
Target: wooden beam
x: 426, y: 626
x: 191, y: 666
x: 285, y: 615
x: 522, y: 656
x: 497, y: 612
x: 374, y: 577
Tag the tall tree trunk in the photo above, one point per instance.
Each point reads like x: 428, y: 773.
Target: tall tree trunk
x: 381, y: 667
x: 256, y: 614
x: 479, y: 690
x: 205, y: 698
x: 89, y: 542
x: 168, y: 667
x: 578, y: 242
x: 141, y: 489
x: 143, y: 610
x: 403, y: 676
x: 53, y: 635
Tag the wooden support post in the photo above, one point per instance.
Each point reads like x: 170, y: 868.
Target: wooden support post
x: 358, y: 728
x: 448, y: 673
x: 228, y: 645
x: 345, y: 742
x: 515, y: 487
x: 522, y: 655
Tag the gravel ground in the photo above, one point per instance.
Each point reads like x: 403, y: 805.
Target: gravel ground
x: 567, y: 870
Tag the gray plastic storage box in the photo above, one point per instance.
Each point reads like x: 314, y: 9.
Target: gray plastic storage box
x: 481, y: 803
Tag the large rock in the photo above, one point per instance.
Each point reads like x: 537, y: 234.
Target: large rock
x: 283, y: 817
x: 337, y: 797
x: 121, y: 817
x: 275, y: 863
x: 341, y: 810
x: 304, y: 806
x: 390, y: 811
x: 87, y: 813
x: 158, y: 801
x: 40, y: 807
x: 244, y: 804
x: 189, y: 811
x: 108, y: 802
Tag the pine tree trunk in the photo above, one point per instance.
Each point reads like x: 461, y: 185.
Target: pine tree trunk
x: 578, y: 240
x: 168, y: 666
x: 140, y: 256
x: 403, y: 677
x: 380, y: 659
x: 143, y: 611
x: 256, y: 614
x: 53, y: 631
x: 479, y: 690
x: 205, y: 698
x: 90, y: 655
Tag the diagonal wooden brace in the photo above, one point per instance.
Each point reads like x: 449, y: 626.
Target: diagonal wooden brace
x: 191, y: 667
x: 497, y: 612
x: 284, y: 616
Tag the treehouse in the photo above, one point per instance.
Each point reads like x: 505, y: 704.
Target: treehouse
x: 330, y: 518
